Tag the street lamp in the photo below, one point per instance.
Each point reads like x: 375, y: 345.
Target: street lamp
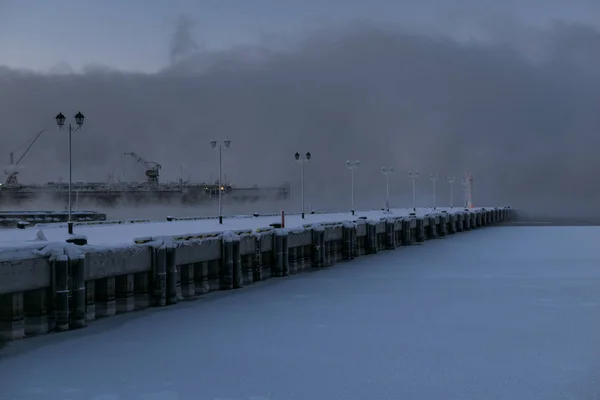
x: 302, y: 160
x: 60, y: 121
x: 434, y: 178
x: 451, y: 181
x: 414, y: 175
x: 465, y: 183
x: 222, y: 146
x: 352, y: 165
x: 387, y: 171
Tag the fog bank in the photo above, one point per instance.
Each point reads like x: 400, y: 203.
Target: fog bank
x: 523, y: 114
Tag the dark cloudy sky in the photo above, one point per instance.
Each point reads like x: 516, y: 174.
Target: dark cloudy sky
x: 511, y: 88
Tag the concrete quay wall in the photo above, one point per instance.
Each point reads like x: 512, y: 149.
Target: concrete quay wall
x: 64, y: 286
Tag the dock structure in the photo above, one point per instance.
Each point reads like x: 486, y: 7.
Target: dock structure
x: 51, y: 283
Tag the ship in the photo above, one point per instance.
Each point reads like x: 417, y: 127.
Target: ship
x: 150, y: 192
x: 113, y: 194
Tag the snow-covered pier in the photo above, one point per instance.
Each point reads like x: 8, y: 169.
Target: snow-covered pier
x: 47, y: 284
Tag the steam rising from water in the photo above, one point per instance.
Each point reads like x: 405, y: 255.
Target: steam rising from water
x: 522, y: 113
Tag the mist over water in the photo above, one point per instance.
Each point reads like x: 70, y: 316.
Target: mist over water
x: 521, y: 111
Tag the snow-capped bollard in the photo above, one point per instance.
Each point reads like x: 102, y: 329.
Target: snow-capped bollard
x: 22, y: 224
x: 78, y: 240
x: 77, y: 317
x: 12, y: 322
x: 158, y: 278
x: 172, y: 277
x: 60, y: 271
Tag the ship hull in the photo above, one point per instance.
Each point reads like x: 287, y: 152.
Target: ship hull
x: 113, y: 198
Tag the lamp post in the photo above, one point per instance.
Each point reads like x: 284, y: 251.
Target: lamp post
x: 451, y: 181
x: 465, y: 183
x: 222, y: 146
x: 60, y: 121
x: 352, y: 165
x: 434, y: 178
x: 387, y: 171
x: 302, y: 160
x: 414, y: 175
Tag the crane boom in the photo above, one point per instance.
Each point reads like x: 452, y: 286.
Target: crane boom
x: 12, y: 171
x: 152, y: 167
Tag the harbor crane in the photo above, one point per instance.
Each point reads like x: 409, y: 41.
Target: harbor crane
x: 12, y: 171
x: 152, y: 168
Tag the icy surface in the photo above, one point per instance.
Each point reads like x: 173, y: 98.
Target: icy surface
x: 104, y: 234
x: 495, y: 314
